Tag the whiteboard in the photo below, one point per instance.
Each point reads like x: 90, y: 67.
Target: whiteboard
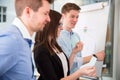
x: 92, y: 27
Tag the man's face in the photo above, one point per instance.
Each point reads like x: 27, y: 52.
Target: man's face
x: 40, y: 17
x: 70, y: 18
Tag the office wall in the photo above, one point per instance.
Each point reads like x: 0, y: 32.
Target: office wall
x: 10, y: 12
x: 59, y: 3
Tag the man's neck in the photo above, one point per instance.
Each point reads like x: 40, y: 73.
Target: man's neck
x: 67, y: 29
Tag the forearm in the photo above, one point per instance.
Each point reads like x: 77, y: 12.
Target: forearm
x: 71, y: 59
x: 86, y: 59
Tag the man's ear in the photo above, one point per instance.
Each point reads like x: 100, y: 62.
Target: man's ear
x: 28, y: 11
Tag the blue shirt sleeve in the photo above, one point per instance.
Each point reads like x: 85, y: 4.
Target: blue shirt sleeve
x: 8, y: 57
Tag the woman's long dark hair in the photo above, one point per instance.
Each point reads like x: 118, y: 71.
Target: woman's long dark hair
x: 50, y: 30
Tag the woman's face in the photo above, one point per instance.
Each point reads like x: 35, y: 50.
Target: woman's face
x: 59, y: 27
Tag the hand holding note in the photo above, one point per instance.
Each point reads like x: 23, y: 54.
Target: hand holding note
x: 91, y: 63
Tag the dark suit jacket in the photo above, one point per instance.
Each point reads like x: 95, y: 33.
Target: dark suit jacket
x: 49, y: 66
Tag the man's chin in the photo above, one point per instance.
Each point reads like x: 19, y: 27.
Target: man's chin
x: 41, y: 29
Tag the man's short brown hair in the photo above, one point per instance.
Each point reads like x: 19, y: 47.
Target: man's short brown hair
x: 33, y: 4
x: 69, y: 6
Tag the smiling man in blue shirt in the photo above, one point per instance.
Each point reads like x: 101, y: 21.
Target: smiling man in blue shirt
x: 68, y: 39
x: 15, y: 53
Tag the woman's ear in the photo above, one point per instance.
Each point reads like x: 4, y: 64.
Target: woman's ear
x: 63, y: 15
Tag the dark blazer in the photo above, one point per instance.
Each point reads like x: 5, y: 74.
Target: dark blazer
x: 49, y: 66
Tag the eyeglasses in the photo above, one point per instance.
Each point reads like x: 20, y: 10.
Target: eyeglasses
x: 60, y: 24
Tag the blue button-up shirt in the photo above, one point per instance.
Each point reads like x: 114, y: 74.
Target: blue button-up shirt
x: 67, y: 41
x: 15, y: 53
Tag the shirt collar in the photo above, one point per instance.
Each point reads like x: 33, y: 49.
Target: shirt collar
x: 69, y: 33
x: 18, y: 23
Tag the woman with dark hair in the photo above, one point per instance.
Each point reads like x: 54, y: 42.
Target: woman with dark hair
x: 51, y: 62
